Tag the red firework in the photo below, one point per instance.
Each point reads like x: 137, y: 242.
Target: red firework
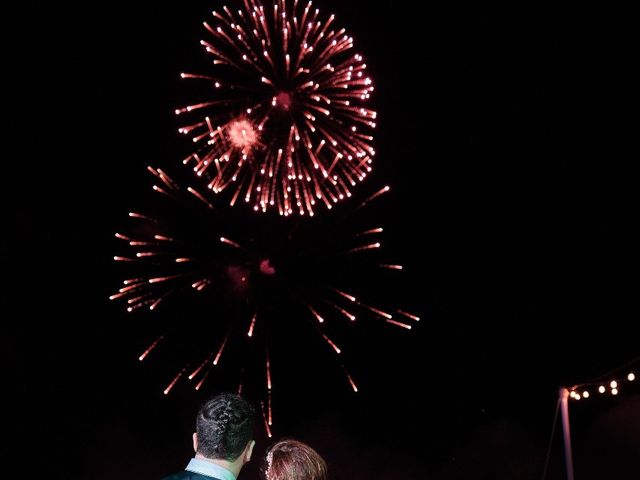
x: 243, y: 285
x: 283, y: 123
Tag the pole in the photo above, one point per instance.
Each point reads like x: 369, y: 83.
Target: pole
x: 566, y: 433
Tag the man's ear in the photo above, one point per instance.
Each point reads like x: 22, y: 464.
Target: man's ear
x: 195, y: 442
x: 249, y: 451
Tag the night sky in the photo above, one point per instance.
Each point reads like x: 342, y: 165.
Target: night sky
x: 506, y: 134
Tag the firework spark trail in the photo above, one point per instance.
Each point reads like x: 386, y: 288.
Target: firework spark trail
x: 266, y: 420
x: 285, y: 124
x: 409, y: 315
x: 200, y: 367
x: 268, y: 369
x: 351, y: 382
x: 252, y: 326
x: 174, y: 381
x: 150, y: 348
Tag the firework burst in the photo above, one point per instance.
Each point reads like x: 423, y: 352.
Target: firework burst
x: 236, y: 281
x: 282, y: 120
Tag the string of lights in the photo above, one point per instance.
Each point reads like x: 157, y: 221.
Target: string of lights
x: 610, y: 383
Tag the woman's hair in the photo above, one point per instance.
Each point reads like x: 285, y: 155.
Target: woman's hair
x: 293, y: 460
x: 224, y: 427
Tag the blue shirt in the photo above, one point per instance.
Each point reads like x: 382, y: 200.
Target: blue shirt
x: 209, y: 469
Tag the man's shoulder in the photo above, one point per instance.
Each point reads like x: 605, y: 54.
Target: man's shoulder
x: 186, y: 475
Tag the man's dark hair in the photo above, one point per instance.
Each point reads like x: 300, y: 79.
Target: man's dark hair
x: 224, y: 427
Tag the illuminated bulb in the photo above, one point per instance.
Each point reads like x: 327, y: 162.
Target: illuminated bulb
x: 614, y: 384
x: 614, y: 391
x: 631, y: 377
x: 573, y: 395
x: 585, y: 394
x: 578, y: 397
x: 601, y: 389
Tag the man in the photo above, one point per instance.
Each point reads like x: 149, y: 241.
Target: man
x: 223, y: 441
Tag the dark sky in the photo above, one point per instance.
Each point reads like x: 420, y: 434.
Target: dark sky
x: 506, y: 135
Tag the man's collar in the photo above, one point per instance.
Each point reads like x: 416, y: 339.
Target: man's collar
x: 209, y: 469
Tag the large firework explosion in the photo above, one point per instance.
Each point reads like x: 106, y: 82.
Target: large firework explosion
x: 232, y: 280
x: 280, y: 120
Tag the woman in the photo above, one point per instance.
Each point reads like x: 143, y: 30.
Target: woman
x: 293, y: 460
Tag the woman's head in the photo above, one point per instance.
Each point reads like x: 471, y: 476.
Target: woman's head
x: 293, y: 460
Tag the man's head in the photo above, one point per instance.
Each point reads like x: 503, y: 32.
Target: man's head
x: 293, y: 460
x: 224, y: 429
